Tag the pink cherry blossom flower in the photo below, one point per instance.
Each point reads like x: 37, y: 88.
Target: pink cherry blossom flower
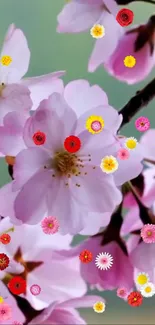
x: 58, y: 285
x: 80, y: 15
x: 76, y: 220
x: 33, y: 164
x: 115, y: 64
x: 50, y: 225
x: 65, y: 313
x: 123, y: 154
x: 122, y: 293
x: 5, y: 311
x: 148, y: 233
x: 17, y: 94
x: 142, y: 124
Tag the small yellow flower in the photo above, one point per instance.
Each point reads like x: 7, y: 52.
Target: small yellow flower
x: 1, y: 300
x: 6, y: 60
x: 131, y: 143
x: 94, y: 124
x: 109, y: 164
x: 142, y: 278
x: 129, y: 61
x: 97, y: 31
x: 99, y: 307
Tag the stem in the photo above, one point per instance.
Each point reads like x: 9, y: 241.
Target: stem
x: 136, y: 103
x: 143, y: 211
x: 126, y: 2
x: 149, y: 161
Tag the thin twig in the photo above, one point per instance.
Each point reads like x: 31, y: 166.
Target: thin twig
x: 126, y: 2
x: 136, y: 103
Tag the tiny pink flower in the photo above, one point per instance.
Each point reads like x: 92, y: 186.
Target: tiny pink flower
x: 123, y: 154
x: 142, y: 124
x: 50, y: 225
x: 148, y: 233
x: 122, y: 293
x: 5, y: 312
x: 35, y: 289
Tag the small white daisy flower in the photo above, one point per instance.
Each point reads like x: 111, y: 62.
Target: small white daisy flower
x: 141, y: 279
x: 148, y: 290
x: 104, y: 261
x: 131, y: 143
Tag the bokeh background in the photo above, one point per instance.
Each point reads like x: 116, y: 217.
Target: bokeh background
x: 50, y: 52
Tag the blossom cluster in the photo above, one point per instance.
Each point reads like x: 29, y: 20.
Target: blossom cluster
x: 72, y: 172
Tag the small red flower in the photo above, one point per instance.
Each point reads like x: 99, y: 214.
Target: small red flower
x: 72, y: 144
x: 39, y: 138
x: 135, y: 299
x: 17, y: 285
x: 125, y: 17
x: 5, y: 239
x: 4, y: 261
x: 85, y: 256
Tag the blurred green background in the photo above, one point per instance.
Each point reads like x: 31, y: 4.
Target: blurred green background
x: 50, y: 52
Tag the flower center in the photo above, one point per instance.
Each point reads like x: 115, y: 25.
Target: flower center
x: 135, y: 299
x: 65, y: 163
x: 3, y: 311
x: 50, y: 225
x: 148, y: 289
x: 149, y: 233
x: 124, y: 17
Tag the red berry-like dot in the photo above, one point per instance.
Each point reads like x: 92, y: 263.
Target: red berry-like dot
x: 17, y: 285
x: 5, y: 239
x: 135, y: 299
x: 4, y: 261
x: 86, y: 256
x: 72, y: 144
x: 39, y: 138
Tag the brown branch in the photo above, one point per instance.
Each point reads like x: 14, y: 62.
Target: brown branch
x: 136, y: 103
x: 126, y: 2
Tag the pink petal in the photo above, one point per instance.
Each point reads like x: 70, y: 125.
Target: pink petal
x: 112, y: 119
x: 131, y: 221
x: 81, y: 97
x: 146, y: 141
x: 30, y: 202
x: 49, y: 119
x: 98, y: 220
x: 143, y: 257
x: 76, y: 17
x: 15, y: 98
x: 11, y: 134
x: 65, y: 211
x: 15, y: 45
x: 132, y: 242
x: 59, y: 287
x: 7, y: 198
x: 88, y: 145
x: 132, y: 165
x: 43, y: 86
x: 105, y: 46
x: 96, y: 182
x: 82, y: 302
x: 28, y: 162
x: 66, y: 316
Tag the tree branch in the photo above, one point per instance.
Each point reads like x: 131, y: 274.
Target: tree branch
x: 136, y: 103
x: 126, y: 2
